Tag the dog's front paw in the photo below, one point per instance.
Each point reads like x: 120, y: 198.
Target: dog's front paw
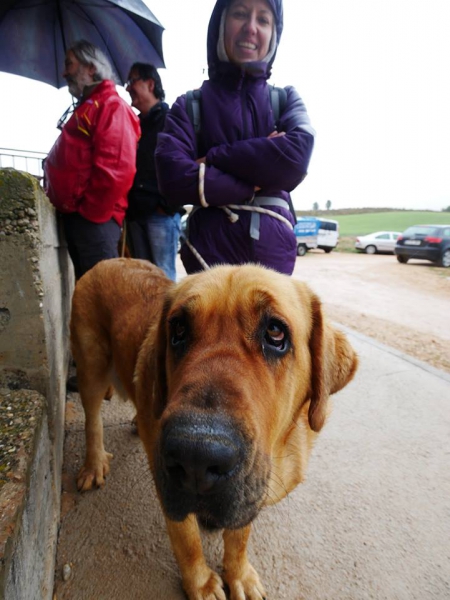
x: 93, y: 472
x: 207, y: 586
x: 245, y: 585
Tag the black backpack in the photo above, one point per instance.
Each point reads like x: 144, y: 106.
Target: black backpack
x: 278, y: 98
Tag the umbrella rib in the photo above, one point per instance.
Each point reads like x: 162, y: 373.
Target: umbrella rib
x: 61, y: 24
x: 128, y: 34
x: 80, y: 6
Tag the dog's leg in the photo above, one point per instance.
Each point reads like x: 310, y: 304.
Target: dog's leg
x: 240, y: 576
x: 199, y: 581
x: 96, y: 465
x: 109, y: 393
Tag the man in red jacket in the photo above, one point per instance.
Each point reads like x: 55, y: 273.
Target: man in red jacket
x: 92, y: 164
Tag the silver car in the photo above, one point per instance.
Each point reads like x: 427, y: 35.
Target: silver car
x: 380, y: 241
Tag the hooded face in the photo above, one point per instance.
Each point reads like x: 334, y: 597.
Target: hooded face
x: 260, y: 53
x: 249, y: 27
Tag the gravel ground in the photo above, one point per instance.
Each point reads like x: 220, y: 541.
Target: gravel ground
x: 402, y: 306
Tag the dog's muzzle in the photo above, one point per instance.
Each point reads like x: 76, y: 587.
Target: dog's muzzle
x: 203, y: 467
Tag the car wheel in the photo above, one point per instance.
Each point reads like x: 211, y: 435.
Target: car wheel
x: 301, y: 250
x: 327, y: 250
x: 370, y: 249
x: 444, y: 261
x: 402, y: 259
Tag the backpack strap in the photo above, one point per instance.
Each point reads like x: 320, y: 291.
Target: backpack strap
x: 278, y: 100
x: 193, y: 98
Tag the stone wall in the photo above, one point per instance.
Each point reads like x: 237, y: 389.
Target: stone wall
x: 36, y: 284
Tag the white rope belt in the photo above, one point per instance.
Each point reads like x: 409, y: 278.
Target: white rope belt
x: 255, y: 208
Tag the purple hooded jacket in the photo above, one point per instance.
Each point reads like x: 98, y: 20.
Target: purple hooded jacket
x: 236, y: 118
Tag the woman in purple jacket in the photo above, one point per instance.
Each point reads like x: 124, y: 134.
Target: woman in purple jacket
x: 241, y: 159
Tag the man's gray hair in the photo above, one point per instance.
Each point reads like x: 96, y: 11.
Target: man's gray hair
x: 89, y: 55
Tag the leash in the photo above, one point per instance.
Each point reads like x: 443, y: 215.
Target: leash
x: 197, y: 255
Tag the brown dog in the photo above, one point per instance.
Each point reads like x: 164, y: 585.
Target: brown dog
x: 230, y: 371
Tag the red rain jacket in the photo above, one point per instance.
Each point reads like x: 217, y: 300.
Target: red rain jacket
x: 92, y: 164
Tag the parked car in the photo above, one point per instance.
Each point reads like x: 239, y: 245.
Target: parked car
x: 427, y: 242
x: 380, y: 241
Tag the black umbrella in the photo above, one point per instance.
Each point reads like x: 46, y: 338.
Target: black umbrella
x: 34, y: 35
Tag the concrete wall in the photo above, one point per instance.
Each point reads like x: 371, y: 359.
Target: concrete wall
x: 36, y: 284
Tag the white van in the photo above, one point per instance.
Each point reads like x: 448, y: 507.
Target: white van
x: 328, y: 234
x: 312, y: 232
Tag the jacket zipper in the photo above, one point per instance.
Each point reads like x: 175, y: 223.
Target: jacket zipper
x: 246, y: 107
x: 243, y: 90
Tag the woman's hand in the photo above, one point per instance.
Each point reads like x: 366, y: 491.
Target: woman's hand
x: 276, y: 134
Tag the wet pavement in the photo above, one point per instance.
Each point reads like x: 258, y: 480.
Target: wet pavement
x: 371, y: 521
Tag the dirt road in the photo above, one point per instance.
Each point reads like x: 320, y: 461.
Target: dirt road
x: 404, y: 306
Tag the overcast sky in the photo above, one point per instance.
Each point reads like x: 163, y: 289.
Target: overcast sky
x: 374, y: 74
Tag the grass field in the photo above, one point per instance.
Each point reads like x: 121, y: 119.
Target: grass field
x: 364, y: 223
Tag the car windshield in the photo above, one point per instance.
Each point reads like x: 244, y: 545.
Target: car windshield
x: 419, y: 230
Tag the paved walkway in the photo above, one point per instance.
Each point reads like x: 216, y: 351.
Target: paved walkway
x: 372, y: 520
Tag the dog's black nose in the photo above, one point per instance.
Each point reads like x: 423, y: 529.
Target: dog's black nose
x: 199, y: 453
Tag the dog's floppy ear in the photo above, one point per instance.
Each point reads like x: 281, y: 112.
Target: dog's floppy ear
x: 333, y: 364
x: 150, y: 376
x: 160, y: 349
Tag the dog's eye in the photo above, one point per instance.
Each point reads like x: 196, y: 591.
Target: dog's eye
x: 275, y: 339
x: 178, y: 331
x: 275, y: 334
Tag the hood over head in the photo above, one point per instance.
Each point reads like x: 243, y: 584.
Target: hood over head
x: 216, y: 61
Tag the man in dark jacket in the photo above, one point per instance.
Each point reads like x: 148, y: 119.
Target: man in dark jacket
x: 153, y: 228
x: 241, y: 157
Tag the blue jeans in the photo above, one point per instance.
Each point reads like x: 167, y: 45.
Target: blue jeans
x: 155, y: 238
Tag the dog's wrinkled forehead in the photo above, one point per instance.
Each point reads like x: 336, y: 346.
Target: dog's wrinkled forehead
x: 240, y: 293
